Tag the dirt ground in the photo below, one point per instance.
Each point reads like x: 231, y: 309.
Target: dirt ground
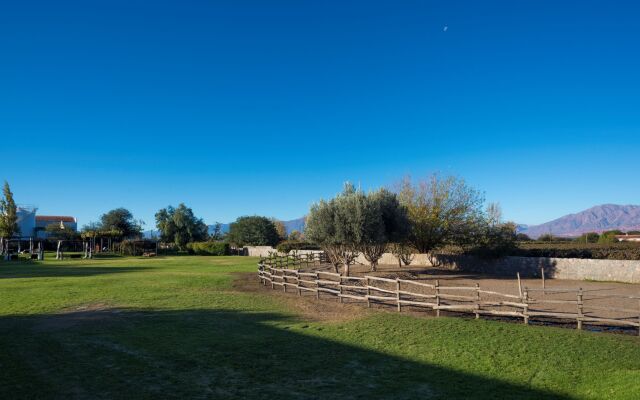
x: 596, y: 295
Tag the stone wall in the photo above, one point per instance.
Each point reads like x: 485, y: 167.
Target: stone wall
x: 627, y: 271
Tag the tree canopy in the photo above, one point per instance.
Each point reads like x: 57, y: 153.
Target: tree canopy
x: 180, y: 226
x: 442, y: 210
x: 354, y: 222
x: 253, y: 231
x: 121, y: 220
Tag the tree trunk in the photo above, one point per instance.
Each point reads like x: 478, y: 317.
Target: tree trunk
x: 346, y: 270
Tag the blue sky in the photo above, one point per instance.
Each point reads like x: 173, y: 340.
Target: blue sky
x: 244, y: 107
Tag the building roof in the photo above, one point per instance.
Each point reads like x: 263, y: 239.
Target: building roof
x: 55, y: 218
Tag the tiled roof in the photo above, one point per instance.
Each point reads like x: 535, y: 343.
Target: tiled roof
x: 54, y: 218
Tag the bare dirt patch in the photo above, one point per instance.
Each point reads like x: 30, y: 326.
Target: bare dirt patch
x: 325, y: 309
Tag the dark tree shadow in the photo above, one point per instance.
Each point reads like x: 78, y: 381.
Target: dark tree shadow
x: 528, y: 267
x: 213, y: 354
x: 18, y: 269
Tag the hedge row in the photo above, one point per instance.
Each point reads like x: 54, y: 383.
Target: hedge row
x: 288, y: 245
x: 209, y: 248
x: 603, y: 251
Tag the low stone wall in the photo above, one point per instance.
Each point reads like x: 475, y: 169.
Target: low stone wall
x: 627, y: 271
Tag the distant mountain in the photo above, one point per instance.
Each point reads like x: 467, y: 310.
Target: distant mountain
x: 595, y: 219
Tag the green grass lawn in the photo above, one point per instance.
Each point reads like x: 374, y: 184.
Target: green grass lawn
x: 175, y: 328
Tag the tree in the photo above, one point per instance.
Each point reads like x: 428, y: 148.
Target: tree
x: 609, y: 236
x: 547, y: 237
x: 280, y: 228
x: 253, y: 231
x: 441, y: 211
x: 589, y: 237
x: 8, y: 213
x: 494, y: 214
x: 384, y: 221
x: 403, y: 252
x: 356, y: 222
x: 180, y: 226
x: 522, y: 237
x: 335, y: 226
x: 217, y: 234
x: 121, y: 221
x: 295, y: 235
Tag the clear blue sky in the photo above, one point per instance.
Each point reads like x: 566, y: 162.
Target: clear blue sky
x: 238, y: 107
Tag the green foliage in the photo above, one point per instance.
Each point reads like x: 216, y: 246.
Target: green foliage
x: 289, y: 245
x: 496, y: 241
x: 609, y: 251
x: 131, y: 247
x: 609, y: 236
x: 442, y: 211
x: 209, y: 248
x: 253, y: 231
x: 295, y: 235
x: 354, y: 222
x: 521, y: 237
x: 120, y: 221
x: 280, y: 228
x: 590, y: 237
x: 180, y: 226
x: 60, y: 232
x: 8, y: 213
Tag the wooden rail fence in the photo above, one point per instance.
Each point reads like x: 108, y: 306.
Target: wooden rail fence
x: 576, y: 304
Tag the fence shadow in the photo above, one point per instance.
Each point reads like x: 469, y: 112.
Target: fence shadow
x: 213, y: 354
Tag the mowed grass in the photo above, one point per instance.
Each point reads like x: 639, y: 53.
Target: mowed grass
x: 176, y: 328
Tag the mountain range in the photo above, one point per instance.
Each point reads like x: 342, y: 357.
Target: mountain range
x: 600, y: 218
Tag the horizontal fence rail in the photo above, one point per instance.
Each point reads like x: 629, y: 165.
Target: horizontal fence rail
x: 575, y: 305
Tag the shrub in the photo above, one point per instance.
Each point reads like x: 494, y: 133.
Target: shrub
x: 606, y: 251
x: 288, y: 245
x: 209, y: 248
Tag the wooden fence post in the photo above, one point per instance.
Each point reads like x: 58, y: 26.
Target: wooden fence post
x: 317, y: 286
x: 437, y: 298
x: 580, y: 308
x: 525, y: 311
x: 543, y: 283
x: 519, y: 284
x: 477, y: 300
x: 368, y: 292
x: 273, y: 286
x: 298, y: 282
x: 284, y: 281
x: 340, y: 289
x: 398, y: 294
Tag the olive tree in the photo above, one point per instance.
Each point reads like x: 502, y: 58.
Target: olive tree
x: 355, y: 222
x: 335, y: 226
x: 384, y: 221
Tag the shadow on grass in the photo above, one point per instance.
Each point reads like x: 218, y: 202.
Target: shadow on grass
x: 213, y: 354
x: 13, y: 269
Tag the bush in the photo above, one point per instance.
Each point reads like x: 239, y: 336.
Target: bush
x: 209, y: 248
x: 604, y: 251
x: 288, y: 245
